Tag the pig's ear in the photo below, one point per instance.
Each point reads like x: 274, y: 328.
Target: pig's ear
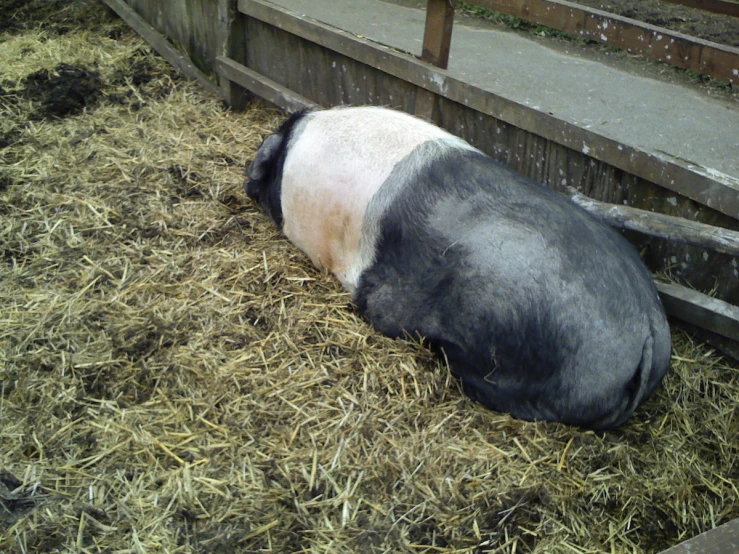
x: 264, y: 158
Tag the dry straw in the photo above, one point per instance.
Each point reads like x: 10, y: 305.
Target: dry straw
x: 176, y: 377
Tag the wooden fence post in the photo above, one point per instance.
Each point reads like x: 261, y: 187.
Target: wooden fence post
x: 437, y: 39
x: 231, y: 35
x: 437, y: 36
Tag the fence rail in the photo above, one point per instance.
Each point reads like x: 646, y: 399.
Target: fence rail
x: 677, y: 49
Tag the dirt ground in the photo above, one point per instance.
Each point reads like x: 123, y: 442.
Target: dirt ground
x: 723, y: 29
x: 176, y: 377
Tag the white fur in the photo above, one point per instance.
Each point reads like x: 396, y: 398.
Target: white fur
x: 337, y: 160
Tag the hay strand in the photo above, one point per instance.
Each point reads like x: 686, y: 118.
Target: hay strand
x: 176, y: 377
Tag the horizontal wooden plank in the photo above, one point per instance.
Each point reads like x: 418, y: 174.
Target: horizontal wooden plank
x: 700, y: 309
x: 262, y: 86
x: 702, y: 56
x: 721, y: 540
x: 161, y: 45
x: 723, y: 7
x: 727, y: 347
x: 719, y: 192
x: 668, y: 227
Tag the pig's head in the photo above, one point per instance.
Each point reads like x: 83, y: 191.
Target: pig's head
x: 264, y: 175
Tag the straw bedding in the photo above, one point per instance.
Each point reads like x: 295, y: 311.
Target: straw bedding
x: 176, y: 377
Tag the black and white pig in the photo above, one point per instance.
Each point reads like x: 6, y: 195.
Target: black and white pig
x: 540, y: 309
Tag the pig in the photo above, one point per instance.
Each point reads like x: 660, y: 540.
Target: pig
x: 540, y: 309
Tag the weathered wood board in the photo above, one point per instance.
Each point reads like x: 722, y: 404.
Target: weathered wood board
x: 193, y: 25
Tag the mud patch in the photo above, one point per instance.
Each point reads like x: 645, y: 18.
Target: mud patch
x: 140, y: 341
x: 67, y: 90
x: 15, y: 501
x: 139, y: 71
x: 186, y: 183
x: 8, y: 139
x: 520, y: 513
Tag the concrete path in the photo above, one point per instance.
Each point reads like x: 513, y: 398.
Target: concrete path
x: 658, y: 117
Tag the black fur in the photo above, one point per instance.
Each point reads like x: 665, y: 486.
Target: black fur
x: 267, y: 189
x: 524, y: 334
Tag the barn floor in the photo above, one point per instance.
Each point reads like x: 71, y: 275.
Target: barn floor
x: 176, y: 377
x: 632, y: 103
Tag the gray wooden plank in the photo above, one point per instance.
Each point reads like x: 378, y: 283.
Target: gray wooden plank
x: 700, y: 309
x: 262, y: 86
x: 232, y: 40
x: 676, y: 229
x: 437, y: 37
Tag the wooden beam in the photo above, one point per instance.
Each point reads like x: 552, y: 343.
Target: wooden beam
x: 232, y: 40
x: 724, y: 7
x: 721, y: 540
x: 700, y: 309
x: 159, y: 43
x: 262, y: 86
x: 655, y: 224
x: 437, y: 36
x: 437, y: 39
x: 426, y: 105
x: 719, y: 192
x: 726, y: 346
x: 701, y: 56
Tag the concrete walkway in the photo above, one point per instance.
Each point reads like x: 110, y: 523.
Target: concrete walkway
x: 661, y: 118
